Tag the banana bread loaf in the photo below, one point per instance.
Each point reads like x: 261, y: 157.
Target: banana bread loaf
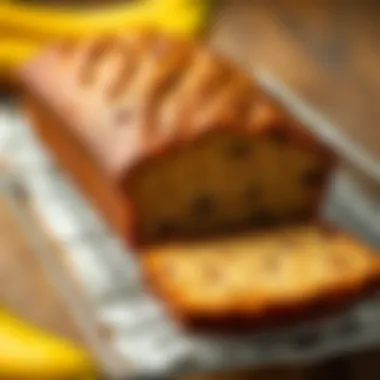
x: 168, y: 139
x: 255, y: 278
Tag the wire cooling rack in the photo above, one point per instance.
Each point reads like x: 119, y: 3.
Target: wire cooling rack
x: 143, y: 339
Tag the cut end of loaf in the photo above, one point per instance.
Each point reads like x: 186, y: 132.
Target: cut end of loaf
x: 227, y: 181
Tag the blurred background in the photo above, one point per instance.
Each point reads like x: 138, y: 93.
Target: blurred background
x: 326, y: 52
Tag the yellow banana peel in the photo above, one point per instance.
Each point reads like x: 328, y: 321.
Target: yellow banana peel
x: 24, y: 29
x: 27, y: 352
x: 15, y: 51
x: 47, y: 22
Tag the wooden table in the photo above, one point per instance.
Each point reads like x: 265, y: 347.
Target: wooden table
x: 24, y: 286
x: 328, y: 52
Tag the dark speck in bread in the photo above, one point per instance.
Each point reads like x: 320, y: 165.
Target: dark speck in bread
x: 313, y: 177
x: 203, y: 206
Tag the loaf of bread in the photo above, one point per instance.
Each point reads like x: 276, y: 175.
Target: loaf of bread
x: 253, y: 279
x: 170, y: 140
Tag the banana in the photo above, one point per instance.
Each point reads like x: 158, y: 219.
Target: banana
x: 49, y: 23
x: 46, y: 23
x: 15, y: 51
x: 29, y: 353
x: 25, y: 29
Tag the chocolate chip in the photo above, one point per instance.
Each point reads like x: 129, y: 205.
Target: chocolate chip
x: 278, y: 135
x: 239, y: 149
x: 263, y: 219
x: 164, y: 229
x: 203, y: 205
x: 313, y: 177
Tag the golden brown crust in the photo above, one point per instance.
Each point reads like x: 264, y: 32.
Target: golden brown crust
x: 259, y: 279
x: 127, y: 101
x: 150, y: 92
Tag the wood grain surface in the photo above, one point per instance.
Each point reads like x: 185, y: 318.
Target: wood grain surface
x: 24, y: 286
x: 327, y: 51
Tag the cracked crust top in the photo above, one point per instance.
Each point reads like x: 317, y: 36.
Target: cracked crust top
x: 149, y: 91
